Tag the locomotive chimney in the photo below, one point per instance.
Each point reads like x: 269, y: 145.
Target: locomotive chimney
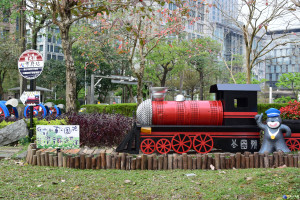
x: 158, y: 93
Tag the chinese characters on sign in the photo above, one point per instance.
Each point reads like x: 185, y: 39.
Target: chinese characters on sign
x: 58, y: 136
x: 30, y: 64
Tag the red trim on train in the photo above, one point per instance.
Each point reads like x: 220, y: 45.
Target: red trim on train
x: 210, y: 133
x: 239, y: 114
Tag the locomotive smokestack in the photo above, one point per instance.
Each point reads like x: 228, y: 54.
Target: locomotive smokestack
x: 158, y: 93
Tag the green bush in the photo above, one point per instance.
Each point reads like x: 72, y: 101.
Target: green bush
x: 44, y: 122
x: 5, y: 123
x: 126, y: 109
x: 62, y: 101
x: 262, y: 108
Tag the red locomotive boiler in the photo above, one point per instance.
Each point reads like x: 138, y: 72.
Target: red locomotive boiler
x: 226, y: 123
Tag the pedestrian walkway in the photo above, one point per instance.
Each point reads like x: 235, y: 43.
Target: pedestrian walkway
x: 8, y: 152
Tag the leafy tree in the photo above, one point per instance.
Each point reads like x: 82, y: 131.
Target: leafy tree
x: 190, y: 81
x: 164, y: 59
x: 283, y: 99
x: 240, y: 78
x: 257, y: 17
x: 141, y: 29
x: 8, y: 59
x: 203, y: 57
x: 290, y: 81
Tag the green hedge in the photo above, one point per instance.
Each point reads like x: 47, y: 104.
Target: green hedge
x: 261, y: 108
x: 126, y: 109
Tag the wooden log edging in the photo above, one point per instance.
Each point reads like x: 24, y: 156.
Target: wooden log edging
x: 124, y: 161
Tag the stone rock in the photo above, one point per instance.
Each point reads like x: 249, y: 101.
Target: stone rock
x: 13, y: 132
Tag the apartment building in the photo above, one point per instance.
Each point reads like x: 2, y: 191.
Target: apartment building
x: 48, y: 43
x: 284, y: 58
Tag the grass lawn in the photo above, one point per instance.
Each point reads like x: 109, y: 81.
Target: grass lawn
x: 33, y: 182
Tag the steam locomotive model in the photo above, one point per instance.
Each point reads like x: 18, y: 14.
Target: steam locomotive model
x: 227, y: 123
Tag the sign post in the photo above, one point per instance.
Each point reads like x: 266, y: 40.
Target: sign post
x: 31, y: 65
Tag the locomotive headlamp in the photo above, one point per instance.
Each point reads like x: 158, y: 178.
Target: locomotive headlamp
x: 146, y: 130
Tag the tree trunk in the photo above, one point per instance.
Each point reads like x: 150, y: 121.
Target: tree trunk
x: 1, y: 87
x: 140, y: 76
x: 181, y: 82
x: 248, y: 67
x: 163, y: 80
x: 22, y: 34
x: 70, y: 71
x: 201, y: 76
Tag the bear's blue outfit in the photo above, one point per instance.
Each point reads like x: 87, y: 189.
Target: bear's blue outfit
x: 273, y: 136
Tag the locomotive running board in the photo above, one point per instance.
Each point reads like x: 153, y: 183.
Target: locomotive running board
x: 132, y: 138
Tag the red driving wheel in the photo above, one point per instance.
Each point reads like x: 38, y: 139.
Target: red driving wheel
x: 2, y: 114
x: 148, y: 146
x: 203, y: 143
x: 163, y: 146
x: 181, y: 143
x: 293, y: 144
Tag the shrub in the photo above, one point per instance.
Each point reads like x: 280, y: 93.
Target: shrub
x: 126, y: 109
x: 5, y: 123
x: 100, y: 129
x: 262, y: 108
x: 291, y: 111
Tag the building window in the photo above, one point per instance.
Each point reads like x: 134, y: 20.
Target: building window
x: 54, y: 39
x: 54, y: 57
x: 60, y: 58
x: 56, y: 49
x: 51, y: 48
x: 200, y: 28
x: 172, y: 6
x: 273, y: 77
x: 39, y: 38
x: 278, y: 69
x: 41, y: 47
x: 49, y: 38
x: 190, y: 25
x: 48, y: 56
x: 48, y: 47
x: 58, y: 41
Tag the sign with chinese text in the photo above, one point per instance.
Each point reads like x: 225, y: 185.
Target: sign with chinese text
x: 30, y: 64
x: 57, y: 136
x: 30, y: 98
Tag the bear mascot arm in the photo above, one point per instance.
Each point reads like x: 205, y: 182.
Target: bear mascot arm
x: 286, y: 129
x: 258, y: 119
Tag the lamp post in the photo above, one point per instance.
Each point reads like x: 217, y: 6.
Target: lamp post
x: 86, y: 64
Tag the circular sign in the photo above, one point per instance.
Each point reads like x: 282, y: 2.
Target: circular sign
x: 30, y: 64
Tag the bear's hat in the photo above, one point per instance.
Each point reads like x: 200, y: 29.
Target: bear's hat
x: 273, y: 112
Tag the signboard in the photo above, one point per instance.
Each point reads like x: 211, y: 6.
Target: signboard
x: 30, y: 98
x: 30, y: 64
x: 124, y: 82
x: 57, y: 136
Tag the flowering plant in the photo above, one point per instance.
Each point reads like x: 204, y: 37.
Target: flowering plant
x: 291, y: 111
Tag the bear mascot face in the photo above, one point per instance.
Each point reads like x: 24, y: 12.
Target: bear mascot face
x: 274, y: 122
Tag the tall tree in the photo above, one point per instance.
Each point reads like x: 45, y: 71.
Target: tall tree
x: 254, y: 19
x: 165, y: 59
x: 8, y: 59
x: 203, y: 53
x: 290, y: 81
x: 140, y: 30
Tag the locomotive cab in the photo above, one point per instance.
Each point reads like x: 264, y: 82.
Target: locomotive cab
x: 239, y: 102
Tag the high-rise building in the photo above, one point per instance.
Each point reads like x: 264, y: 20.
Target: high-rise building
x: 223, y: 29
x: 6, y: 27
x: 48, y: 43
x: 284, y: 58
